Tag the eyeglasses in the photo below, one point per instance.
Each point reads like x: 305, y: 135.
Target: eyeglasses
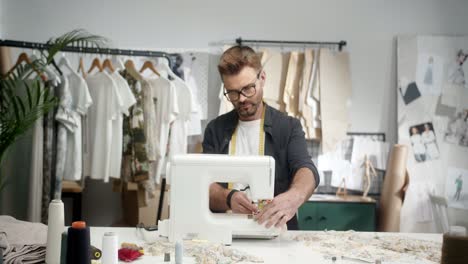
x: 247, y: 91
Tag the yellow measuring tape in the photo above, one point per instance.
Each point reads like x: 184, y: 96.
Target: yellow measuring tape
x: 261, y: 144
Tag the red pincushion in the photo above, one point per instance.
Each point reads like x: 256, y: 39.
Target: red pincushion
x: 128, y: 255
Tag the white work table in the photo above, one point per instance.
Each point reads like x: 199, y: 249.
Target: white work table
x: 279, y: 250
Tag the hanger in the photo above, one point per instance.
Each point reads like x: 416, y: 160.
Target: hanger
x: 23, y: 57
x: 65, y: 62
x: 167, y: 69
x: 81, y: 67
x: 117, y: 63
x: 95, y: 64
x: 108, y: 64
x: 131, y: 69
x: 49, y: 72
x: 149, y: 65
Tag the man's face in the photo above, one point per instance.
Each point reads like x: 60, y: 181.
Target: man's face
x: 247, y: 77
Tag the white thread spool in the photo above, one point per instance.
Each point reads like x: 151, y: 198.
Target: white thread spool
x: 109, y: 248
x: 55, y: 228
x: 179, y: 252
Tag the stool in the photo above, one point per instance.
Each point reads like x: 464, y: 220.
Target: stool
x: 73, y: 190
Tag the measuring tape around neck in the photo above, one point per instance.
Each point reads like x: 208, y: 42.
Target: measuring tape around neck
x: 261, y: 142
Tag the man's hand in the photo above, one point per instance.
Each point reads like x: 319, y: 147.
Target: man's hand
x: 240, y: 204
x: 280, y: 210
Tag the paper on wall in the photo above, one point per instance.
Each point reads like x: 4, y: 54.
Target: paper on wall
x: 335, y: 93
x: 423, y: 203
x: 456, y: 188
x: 429, y: 74
x: 455, y: 96
x: 329, y: 161
x: 376, y: 151
x: 343, y: 170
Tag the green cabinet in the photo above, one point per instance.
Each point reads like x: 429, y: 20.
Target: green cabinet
x: 338, y: 215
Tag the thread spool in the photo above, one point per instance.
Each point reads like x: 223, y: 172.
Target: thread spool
x: 454, y: 249
x: 167, y: 257
x: 78, y: 244
x: 63, y: 252
x: 110, y: 248
x: 54, y: 232
x: 179, y: 253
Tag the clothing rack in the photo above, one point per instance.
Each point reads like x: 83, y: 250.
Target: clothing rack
x: 92, y: 50
x: 340, y: 44
x: 106, y: 51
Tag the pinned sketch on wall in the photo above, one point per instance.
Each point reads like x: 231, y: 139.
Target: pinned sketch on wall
x: 424, y: 143
x: 429, y: 74
x: 457, y: 129
x: 456, y: 188
x: 409, y: 91
x: 458, y: 70
x: 443, y: 109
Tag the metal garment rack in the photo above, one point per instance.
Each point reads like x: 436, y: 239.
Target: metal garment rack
x: 105, y: 51
x: 91, y: 50
x: 340, y: 44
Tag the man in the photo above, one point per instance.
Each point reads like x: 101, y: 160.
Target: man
x: 249, y: 127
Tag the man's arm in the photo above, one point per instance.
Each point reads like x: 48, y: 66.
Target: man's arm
x: 303, y: 183
x: 240, y: 204
x: 218, y: 194
x: 285, y: 205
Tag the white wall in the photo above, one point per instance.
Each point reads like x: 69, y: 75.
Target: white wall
x: 369, y: 26
x: 2, y: 17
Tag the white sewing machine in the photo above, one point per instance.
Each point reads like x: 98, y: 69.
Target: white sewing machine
x: 190, y: 177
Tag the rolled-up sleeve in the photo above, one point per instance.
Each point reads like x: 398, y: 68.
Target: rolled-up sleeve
x: 298, y: 157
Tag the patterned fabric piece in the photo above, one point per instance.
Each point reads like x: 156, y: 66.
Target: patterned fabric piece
x: 49, y: 157
x: 66, y: 122
x: 135, y: 163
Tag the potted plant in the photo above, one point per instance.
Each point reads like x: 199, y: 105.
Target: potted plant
x: 23, y: 101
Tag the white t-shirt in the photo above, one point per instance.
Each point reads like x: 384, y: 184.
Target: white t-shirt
x: 194, y: 125
x: 127, y: 99
x: 247, y: 143
x: 80, y: 102
x: 166, y: 108
x: 179, y: 130
x: 106, y: 107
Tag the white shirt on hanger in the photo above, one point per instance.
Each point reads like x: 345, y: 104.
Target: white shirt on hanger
x: 179, y: 131
x: 72, y: 120
x: 127, y: 99
x: 194, y: 125
x: 106, y: 107
x: 167, y: 109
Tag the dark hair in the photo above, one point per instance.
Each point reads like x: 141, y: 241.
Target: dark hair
x: 236, y: 58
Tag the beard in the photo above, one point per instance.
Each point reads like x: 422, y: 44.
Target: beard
x: 246, y: 109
